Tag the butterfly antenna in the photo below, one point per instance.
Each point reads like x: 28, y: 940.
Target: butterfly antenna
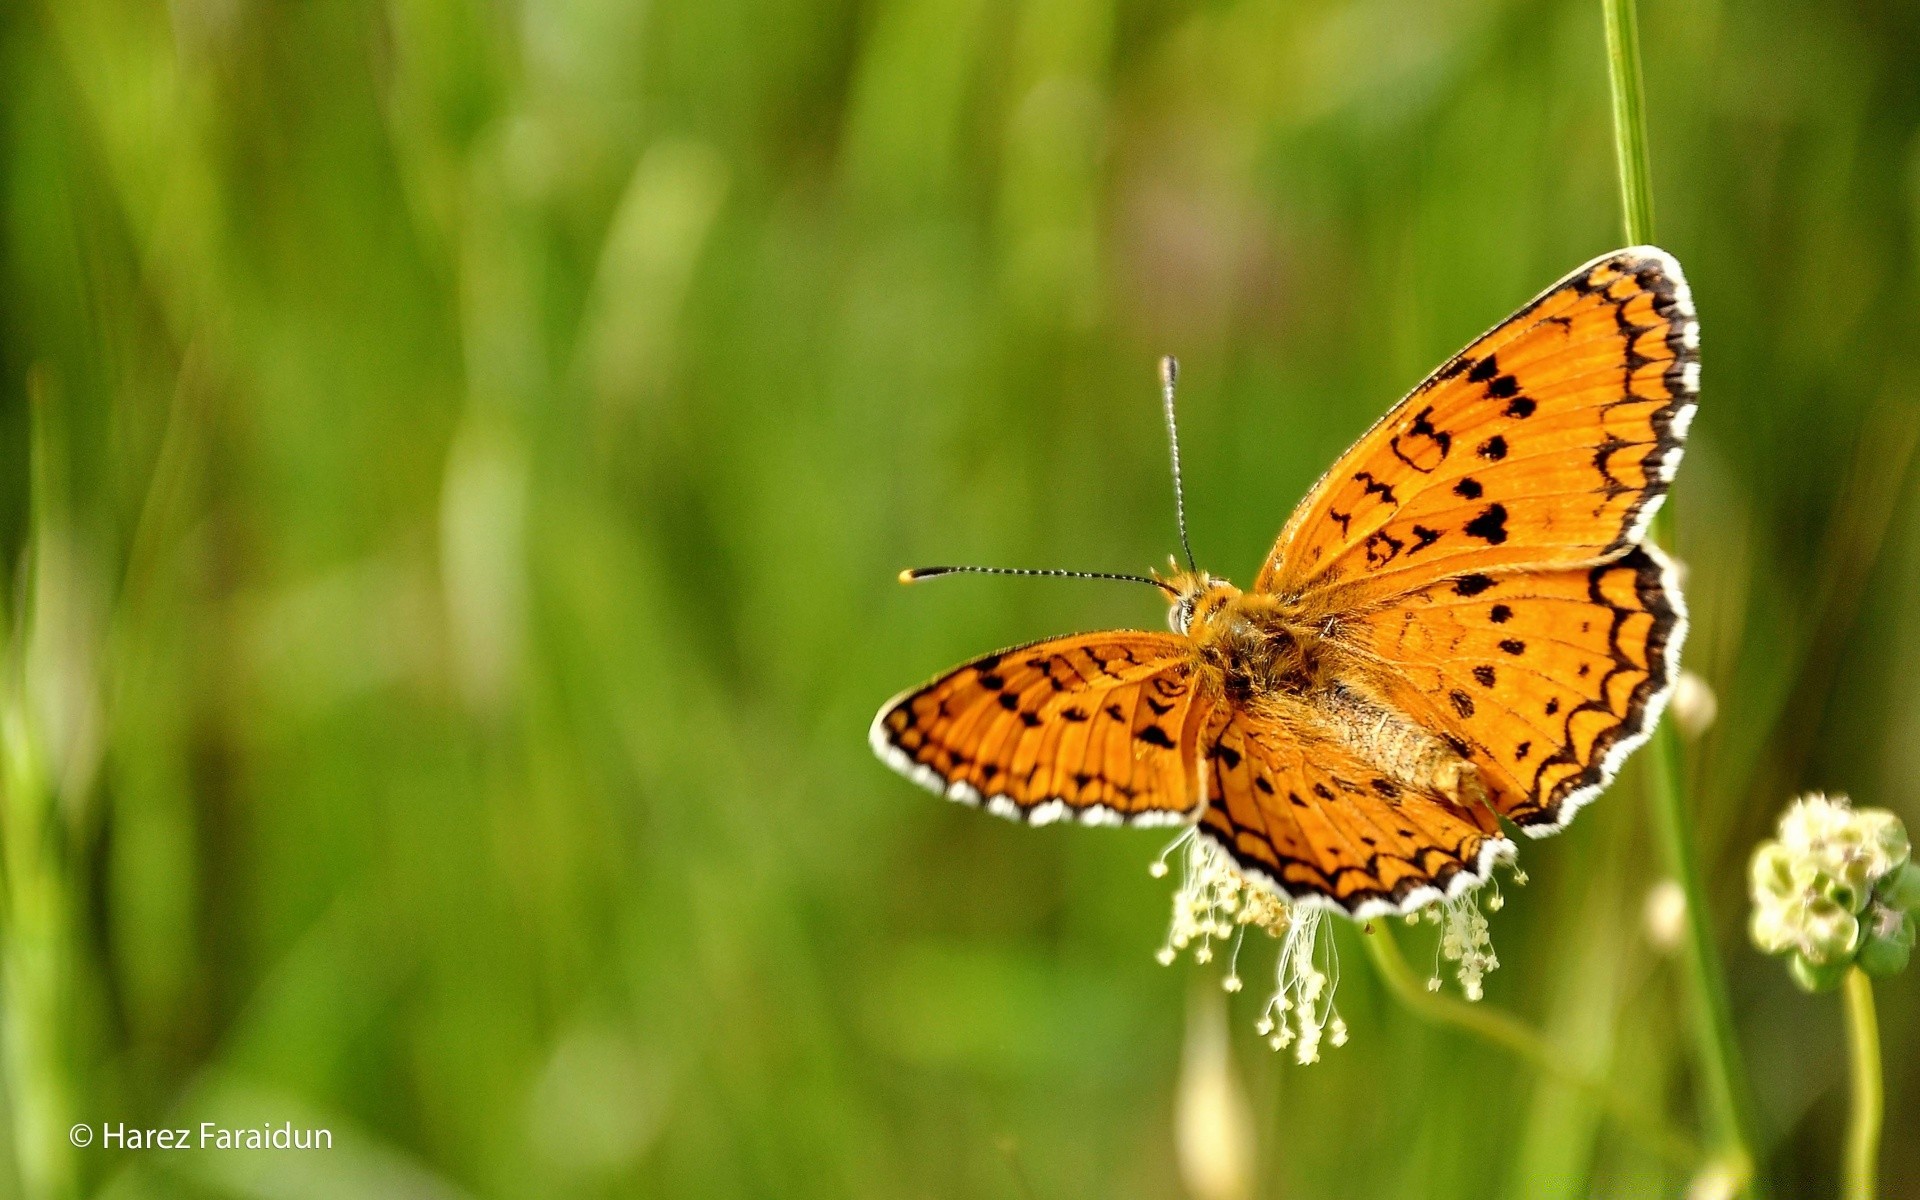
x: 1170, y: 375
x: 915, y: 574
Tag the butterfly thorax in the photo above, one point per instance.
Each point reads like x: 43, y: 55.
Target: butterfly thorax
x: 1247, y: 645
x: 1282, y: 658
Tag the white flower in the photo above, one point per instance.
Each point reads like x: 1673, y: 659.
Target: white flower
x: 1215, y: 901
x: 1466, y: 940
x: 1829, y: 890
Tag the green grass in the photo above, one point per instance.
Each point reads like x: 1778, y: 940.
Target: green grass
x: 452, y: 569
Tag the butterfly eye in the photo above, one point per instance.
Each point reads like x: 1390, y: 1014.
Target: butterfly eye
x: 1181, y: 614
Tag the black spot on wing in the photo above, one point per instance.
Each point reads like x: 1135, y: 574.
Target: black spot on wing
x: 1153, y: 735
x: 1490, y: 526
x: 1422, y: 446
x: 1373, y: 487
x: 1382, y: 548
x: 1610, y: 485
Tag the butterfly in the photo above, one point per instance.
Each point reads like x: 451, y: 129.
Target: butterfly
x: 1461, y: 627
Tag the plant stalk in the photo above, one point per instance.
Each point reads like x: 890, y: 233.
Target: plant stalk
x: 1865, y: 1113
x: 1717, y: 1049
x: 1509, y: 1032
x: 1629, y: 118
x: 36, y: 904
x: 1722, y: 1076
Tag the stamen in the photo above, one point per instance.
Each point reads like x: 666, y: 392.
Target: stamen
x: 1466, y: 940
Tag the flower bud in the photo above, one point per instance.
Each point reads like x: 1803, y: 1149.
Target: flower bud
x: 1888, y: 945
x: 1901, y: 889
x: 1772, y: 874
x: 1665, y: 913
x: 1828, y: 931
x: 1886, y: 840
x: 1771, y: 930
x: 1694, y: 705
x: 1816, y: 978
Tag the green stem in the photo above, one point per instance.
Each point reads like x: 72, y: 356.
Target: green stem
x: 1721, y: 1073
x: 1505, y: 1030
x: 1723, y: 1080
x: 1629, y: 118
x: 36, y: 910
x: 1863, y: 1119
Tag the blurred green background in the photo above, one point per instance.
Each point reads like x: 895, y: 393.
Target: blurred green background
x: 455, y: 461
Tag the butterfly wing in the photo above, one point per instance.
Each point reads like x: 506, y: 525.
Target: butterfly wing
x: 1300, y: 810
x: 1549, y: 441
x: 1100, y: 727
x: 1544, y: 680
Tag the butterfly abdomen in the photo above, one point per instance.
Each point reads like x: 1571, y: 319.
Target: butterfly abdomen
x: 1406, y: 753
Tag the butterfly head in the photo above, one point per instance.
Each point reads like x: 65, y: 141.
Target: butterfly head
x: 1197, y: 599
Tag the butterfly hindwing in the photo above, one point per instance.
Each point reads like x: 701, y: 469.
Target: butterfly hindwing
x: 1549, y: 441
x: 1100, y: 727
x: 1544, y: 680
x: 1301, y: 811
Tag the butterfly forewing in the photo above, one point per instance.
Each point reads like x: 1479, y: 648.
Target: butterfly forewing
x: 1101, y: 727
x: 1549, y: 441
x: 1302, y: 811
x: 1544, y: 680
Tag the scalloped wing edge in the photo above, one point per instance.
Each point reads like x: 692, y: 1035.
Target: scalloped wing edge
x: 1493, y: 851
x: 1683, y: 378
x: 1047, y: 812
x: 1649, y: 714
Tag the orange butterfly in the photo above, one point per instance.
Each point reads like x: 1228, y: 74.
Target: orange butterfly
x: 1460, y: 623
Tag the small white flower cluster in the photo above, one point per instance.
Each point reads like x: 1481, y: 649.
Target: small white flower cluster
x: 1836, y: 888
x: 1465, y: 938
x: 1300, y: 1011
x: 1213, y: 899
x: 1216, y: 901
